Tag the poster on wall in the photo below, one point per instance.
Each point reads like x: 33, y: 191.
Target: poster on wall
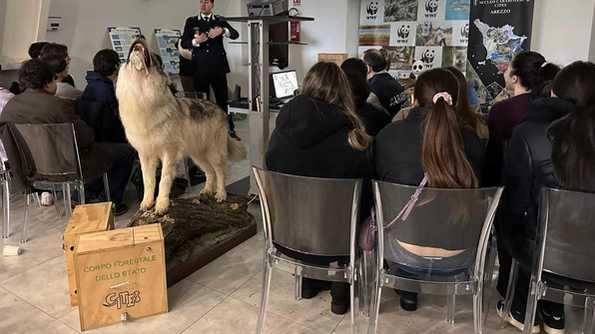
x: 166, y: 42
x: 122, y: 38
x: 498, y: 30
x: 422, y: 34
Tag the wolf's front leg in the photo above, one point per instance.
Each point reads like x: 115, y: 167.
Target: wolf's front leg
x: 148, y: 166
x: 168, y: 172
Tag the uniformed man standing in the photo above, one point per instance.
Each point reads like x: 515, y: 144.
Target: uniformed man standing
x: 203, y: 34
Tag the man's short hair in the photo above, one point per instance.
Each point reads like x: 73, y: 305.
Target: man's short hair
x: 55, y: 64
x: 375, y: 59
x: 35, y: 74
x: 54, y: 50
x: 35, y: 49
x: 106, y: 62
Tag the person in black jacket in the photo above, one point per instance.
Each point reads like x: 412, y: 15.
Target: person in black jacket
x: 374, y: 118
x: 533, y: 162
x: 98, y: 105
x: 390, y: 92
x: 319, y: 134
x: 430, y: 140
x: 203, y: 34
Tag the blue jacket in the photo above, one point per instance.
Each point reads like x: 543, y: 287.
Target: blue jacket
x: 98, y: 107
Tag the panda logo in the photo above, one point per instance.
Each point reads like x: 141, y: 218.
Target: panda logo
x: 465, y: 31
x: 418, y: 67
x: 372, y: 9
x: 404, y: 31
x: 428, y: 57
x: 432, y: 6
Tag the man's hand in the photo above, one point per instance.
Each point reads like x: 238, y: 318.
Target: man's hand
x: 215, y: 32
x: 200, y: 38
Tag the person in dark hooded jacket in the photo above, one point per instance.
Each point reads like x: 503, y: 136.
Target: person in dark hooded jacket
x: 98, y: 105
x: 319, y: 134
x: 529, y: 166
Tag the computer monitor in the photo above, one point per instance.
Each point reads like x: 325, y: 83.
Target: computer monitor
x: 285, y: 83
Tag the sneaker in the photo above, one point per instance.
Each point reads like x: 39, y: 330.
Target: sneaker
x: 47, y: 199
x: 553, y: 319
x: 516, y: 318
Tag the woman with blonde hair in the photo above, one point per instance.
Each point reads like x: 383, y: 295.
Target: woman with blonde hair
x: 319, y: 134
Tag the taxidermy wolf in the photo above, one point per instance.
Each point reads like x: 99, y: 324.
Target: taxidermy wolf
x: 164, y: 128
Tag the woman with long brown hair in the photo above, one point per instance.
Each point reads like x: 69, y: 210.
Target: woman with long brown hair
x: 319, y: 134
x: 468, y: 116
x: 430, y: 141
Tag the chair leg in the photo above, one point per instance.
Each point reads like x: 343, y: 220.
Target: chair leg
x: 6, y: 210
x: 54, y: 193
x: 531, y: 306
x: 589, y: 316
x: 352, y: 300
x: 81, y: 191
x: 264, y: 299
x: 37, y: 199
x: 67, y: 199
x: 511, y: 288
x: 375, y: 305
x: 299, y: 280
x: 365, y: 283
x: 451, y: 308
x: 106, y: 187
x: 478, y: 319
x: 26, y: 221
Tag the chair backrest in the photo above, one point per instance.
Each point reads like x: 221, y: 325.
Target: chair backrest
x: 448, y: 219
x: 566, y: 232
x: 310, y: 215
x: 48, y: 151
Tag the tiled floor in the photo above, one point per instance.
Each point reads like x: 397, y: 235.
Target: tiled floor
x: 223, y: 297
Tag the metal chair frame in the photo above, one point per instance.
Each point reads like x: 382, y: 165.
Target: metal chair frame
x: 474, y: 285
x: 77, y: 183
x: 274, y: 260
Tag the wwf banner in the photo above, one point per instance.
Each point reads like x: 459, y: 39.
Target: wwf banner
x: 499, y: 29
x: 418, y: 34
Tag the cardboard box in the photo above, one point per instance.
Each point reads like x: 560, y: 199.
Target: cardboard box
x: 120, y: 275
x: 337, y: 58
x: 87, y: 218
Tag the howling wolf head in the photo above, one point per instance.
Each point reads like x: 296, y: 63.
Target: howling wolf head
x: 139, y: 57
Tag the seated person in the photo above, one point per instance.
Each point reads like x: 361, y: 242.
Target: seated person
x: 388, y: 89
x: 98, y: 105
x: 38, y: 105
x: 35, y: 49
x: 374, y: 118
x: 50, y: 50
x: 319, y: 134
x: 524, y: 78
x: 553, y: 147
x: 431, y: 141
x: 5, y: 96
x: 59, y: 67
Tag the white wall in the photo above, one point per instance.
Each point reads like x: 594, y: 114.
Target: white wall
x: 562, y: 30
x: 23, y: 22
x: 334, y: 31
x: 592, y: 52
x: 85, y: 25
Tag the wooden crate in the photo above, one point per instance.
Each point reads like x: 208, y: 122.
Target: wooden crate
x: 87, y: 218
x: 337, y: 58
x: 120, y: 275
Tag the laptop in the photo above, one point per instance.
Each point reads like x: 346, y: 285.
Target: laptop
x: 283, y: 87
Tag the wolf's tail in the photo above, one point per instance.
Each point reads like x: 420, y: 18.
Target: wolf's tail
x: 236, y: 150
